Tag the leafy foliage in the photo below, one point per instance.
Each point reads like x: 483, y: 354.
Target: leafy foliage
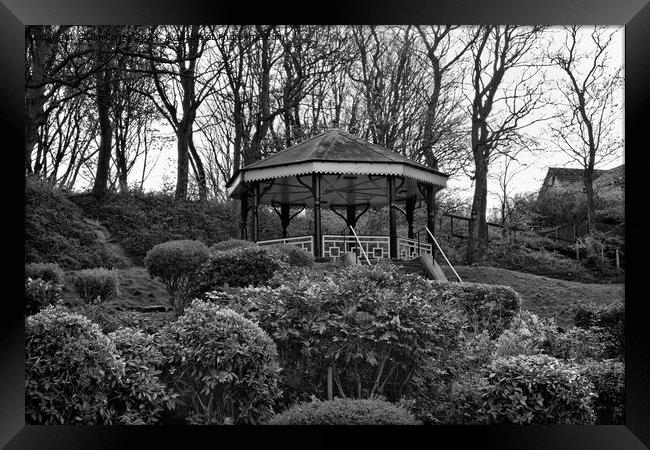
x: 96, y: 285
x: 340, y: 411
x: 140, y: 396
x: 608, y: 378
x: 177, y: 264
x: 528, y: 334
x: 292, y: 255
x: 45, y: 271
x: 142, y: 220
x: 372, y: 325
x: 223, y: 365
x: 242, y: 266
x: 110, y: 317
x: 537, y: 389
x: 39, y: 294
x: 609, y: 318
x: 57, y: 231
x: 70, y: 366
x: 229, y: 244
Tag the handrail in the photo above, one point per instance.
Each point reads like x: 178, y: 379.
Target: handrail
x: 359, y: 243
x: 443, y: 253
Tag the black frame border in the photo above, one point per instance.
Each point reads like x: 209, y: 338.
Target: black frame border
x: 633, y: 14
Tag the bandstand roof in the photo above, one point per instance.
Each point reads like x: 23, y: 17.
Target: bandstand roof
x: 353, y: 172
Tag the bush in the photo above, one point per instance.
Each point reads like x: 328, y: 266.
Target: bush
x: 177, y: 264
x: 39, y: 294
x: 140, y: 397
x: 579, y: 344
x: 528, y: 334
x: 237, y: 267
x: 546, y: 263
x: 345, y: 412
x: 372, y: 325
x: 229, y: 244
x: 46, y: 271
x: 94, y: 285
x: 537, y: 389
x: 70, y: 367
x: 608, y: 378
x: 488, y: 307
x: 224, y: 365
x: 110, y: 317
x: 292, y: 255
x: 609, y: 318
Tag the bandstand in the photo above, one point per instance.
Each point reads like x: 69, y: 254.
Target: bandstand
x: 341, y: 172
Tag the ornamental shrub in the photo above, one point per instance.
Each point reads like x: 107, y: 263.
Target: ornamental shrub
x: 292, y: 255
x: 579, y: 344
x: 488, y: 307
x: 608, y: 378
x: 610, y: 318
x: 528, y: 334
x: 238, y: 267
x: 51, y: 272
x: 373, y: 326
x: 39, y: 294
x: 223, y: 366
x: 341, y: 411
x: 70, y: 367
x: 229, y: 244
x: 140, y: 397
x: 177, y: 264
x: 110, y: 317
x: 96, y: 285
x: 537, y: 389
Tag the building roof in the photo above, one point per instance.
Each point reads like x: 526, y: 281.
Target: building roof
x: 333, y: 153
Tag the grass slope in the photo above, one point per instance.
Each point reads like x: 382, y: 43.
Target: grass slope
x: 542, y: 295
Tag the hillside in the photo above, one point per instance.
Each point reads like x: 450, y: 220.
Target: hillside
x: 539, y: 294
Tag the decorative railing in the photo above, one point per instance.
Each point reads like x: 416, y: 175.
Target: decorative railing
x: 304, y: 242
x: 376, y: 247
x: 410, y: 248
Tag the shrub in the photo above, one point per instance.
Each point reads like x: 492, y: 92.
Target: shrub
x: 488, y: 307
x: 610, y: 318
x: 110, y: 317
x: 237, y: 267
x: 372, y: 325
x: 345, y: 412
x: 528, y: 334
x: 177, y: 264
x: 70, y: 365
x: 608, y: 378
x: 140, y: 397
x: 542, y: 262
x: 224, y: 365
x: 39, y: 294
x: 229, y: 244
x: 537, y: 389
x: 46, y: 271
x: 292, y: 255
x: 96, y: 284
x: 579, y: 344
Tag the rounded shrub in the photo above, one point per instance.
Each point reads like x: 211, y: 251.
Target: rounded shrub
x: 608, y: 378
x: 229, y: 244
x: 39, y: 294
x: 223, y: 365
x: 609, y: 318
x: 579, y: 344
x: 537, y: 389
x: 51, y: 272
x: 70, y: 367
x: 292, y: 255
x: 238, y: 267
x: 96, y: 285
x: 340, y: 411
x: 177, y: 264
x: 528, y: 334
x: 140, y: 397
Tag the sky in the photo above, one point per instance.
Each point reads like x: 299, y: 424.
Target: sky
x: 531, y: 166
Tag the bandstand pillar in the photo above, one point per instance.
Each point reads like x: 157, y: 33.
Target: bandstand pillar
x: 392, y: 220
x: 316, y: 191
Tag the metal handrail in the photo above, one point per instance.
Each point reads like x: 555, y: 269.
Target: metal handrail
x: 359, y: 243
x: 443, y: 253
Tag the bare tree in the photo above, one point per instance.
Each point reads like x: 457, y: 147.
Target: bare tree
x: 497, y: 51
x: 586, y: 131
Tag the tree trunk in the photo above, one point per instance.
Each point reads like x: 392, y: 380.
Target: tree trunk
x: 105, y: 132
x: 477, y: 239
x: 183, y: 163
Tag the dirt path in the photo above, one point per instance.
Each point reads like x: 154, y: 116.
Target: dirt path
x: 542, y: 295
x: 112, y: 245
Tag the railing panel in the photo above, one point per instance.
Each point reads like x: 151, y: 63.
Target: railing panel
x: 304, y: 242
x: 410, y: 248
x: 377, y: 247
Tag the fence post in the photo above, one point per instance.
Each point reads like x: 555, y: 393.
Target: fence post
x: 618, y: 262
x: 577, y: 251
x: 602, y: 254
x: 330, y: 393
